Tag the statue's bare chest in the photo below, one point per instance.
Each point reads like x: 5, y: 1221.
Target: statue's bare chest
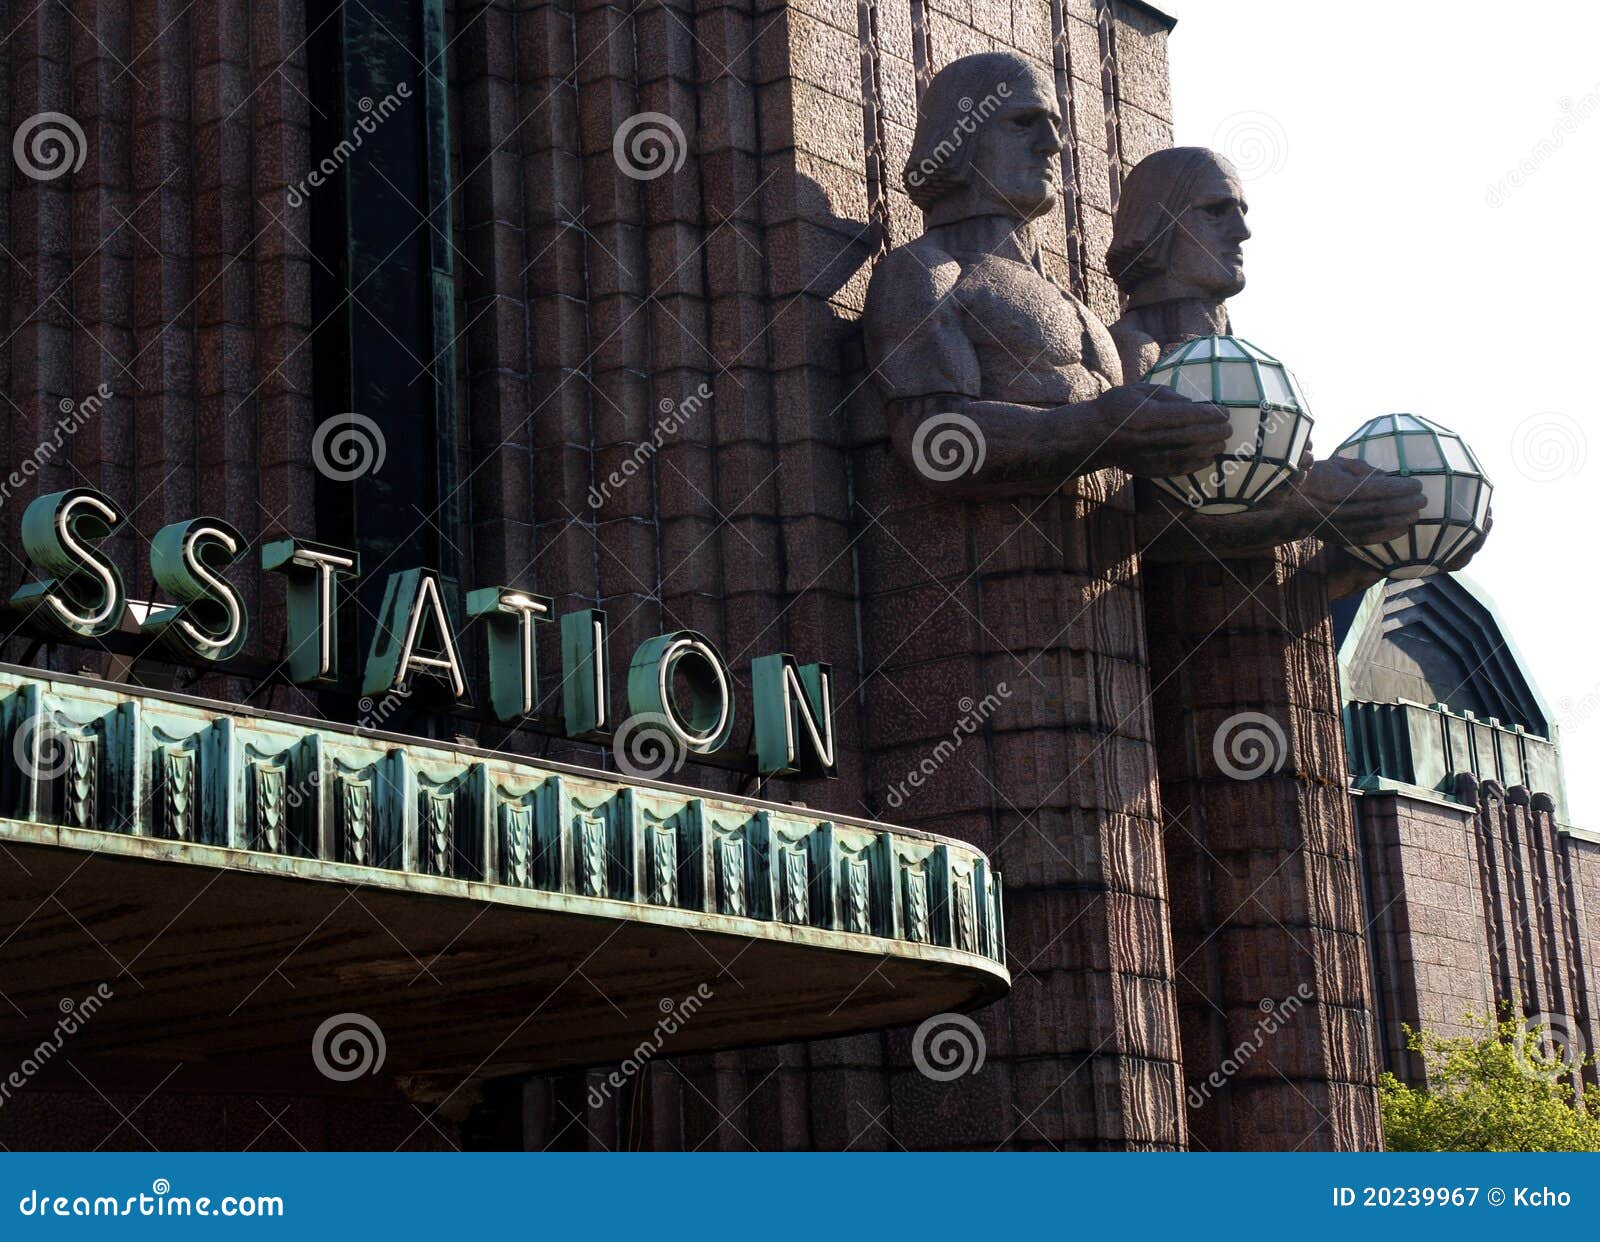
x: 1035, y: 343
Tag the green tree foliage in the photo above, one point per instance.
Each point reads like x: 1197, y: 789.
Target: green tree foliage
x: 1500, y: 1087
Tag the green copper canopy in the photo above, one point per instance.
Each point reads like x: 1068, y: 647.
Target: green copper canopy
x: 240, y: 877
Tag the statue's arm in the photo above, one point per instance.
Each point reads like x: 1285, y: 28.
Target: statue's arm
x: 969, y: 446
x: 959, y: 441
x: 1347, y: 575
x: 1171, y: 531
x: 1344, y: 503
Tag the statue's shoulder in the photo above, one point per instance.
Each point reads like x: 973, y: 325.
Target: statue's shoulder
x: 908, y: 284
x: 1128, y: 331
x: 920, y: 268
x: 916, y: 341
x: 1136, y: 347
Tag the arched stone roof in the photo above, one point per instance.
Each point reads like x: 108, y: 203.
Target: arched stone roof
x: 1436, y: 640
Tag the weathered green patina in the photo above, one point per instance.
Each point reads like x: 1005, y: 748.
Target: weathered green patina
x: 160, y: 809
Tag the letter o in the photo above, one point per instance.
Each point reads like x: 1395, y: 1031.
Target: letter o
x: 702, y: 728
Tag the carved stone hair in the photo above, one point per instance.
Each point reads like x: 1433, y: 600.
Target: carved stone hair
x: 1158, y: 190
x: 960, y: 97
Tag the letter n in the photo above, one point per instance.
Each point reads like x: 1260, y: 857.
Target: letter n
x: 794, y: 717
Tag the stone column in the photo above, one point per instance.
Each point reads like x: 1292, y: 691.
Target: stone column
x: 1042, y: 617
x: 1273, y: 990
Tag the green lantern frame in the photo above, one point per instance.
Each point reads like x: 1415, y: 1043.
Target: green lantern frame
x: 1455, y: 485
x: 1271, y: 421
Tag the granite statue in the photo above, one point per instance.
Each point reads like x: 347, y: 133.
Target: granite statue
x: 999, y: 387
x: 1177, y: 255
x: 968, y: 335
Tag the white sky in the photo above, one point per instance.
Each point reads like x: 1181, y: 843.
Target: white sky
x: 1370, y: 138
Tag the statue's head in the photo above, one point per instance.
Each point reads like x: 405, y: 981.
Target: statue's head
x: 1179, y: 228
x: 988, y: 141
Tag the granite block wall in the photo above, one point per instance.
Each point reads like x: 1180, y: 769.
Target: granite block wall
x: 1475, y: 904
x: 780, y: 519
x: 170, y: 268
x: 1262, y: 850
x: 177, y: 269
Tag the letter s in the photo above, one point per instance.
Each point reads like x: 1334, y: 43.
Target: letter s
x: 82, y: 595
x: 208, y: 619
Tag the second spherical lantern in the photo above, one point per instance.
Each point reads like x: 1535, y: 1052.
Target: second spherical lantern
x: 1271, y: 422
x: 1455, y: 489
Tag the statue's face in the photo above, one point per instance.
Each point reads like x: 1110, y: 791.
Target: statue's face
x: 1016, y: 165
x: 1208, y: 242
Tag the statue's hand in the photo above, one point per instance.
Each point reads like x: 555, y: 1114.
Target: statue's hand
x: 1150, y: 431
x: 1460, y: 559
x: 1351, y: 503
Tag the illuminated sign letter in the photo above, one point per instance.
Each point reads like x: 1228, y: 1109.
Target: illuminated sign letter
x: 82, y: 597
x: 794, y: 717
x: 513, y: 656
x: 314, y: 571
x: 207, y: 619
x: 705, y: 726
x: 413, y: 603
x: 585, y: 674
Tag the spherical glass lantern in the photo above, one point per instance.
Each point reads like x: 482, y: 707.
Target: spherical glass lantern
x: 1454, y: 486
x: 1271, y: 422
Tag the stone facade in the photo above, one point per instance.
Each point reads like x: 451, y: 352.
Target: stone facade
x: 1266, y: 886
x: 791, y: 189
x: 181, y: 268
x: 186, y: 268
x: 1475, y: 903
x: 1480, y: 892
